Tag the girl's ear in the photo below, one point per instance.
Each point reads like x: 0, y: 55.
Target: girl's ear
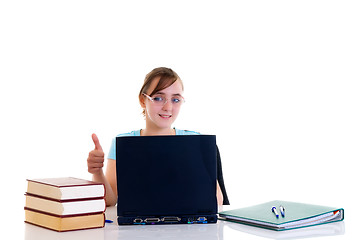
x: 143, y: 105
x: 142, y: 101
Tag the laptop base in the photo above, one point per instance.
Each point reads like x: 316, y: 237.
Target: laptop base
x: 155, y: 220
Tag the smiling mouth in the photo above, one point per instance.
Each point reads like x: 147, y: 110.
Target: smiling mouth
x: 165, y: 116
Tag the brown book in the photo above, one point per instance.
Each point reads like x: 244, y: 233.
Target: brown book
x: 65, y: 207
x: 65, y: 188
x: 64, y: 223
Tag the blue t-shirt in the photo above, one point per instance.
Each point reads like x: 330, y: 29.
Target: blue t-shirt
x: 112, y: 152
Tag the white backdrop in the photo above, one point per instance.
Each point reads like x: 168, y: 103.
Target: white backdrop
x: 276, y: 81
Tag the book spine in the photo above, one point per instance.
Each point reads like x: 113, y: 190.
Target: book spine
x: 63, y: 201
x: 62, y: 216
x: 85, y: 183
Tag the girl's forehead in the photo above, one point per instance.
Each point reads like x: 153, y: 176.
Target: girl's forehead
x: 175, y: 88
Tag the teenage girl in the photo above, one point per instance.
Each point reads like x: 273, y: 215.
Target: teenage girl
x: 161, y: 97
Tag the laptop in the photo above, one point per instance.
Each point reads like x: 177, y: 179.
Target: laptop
x: 166, y: 179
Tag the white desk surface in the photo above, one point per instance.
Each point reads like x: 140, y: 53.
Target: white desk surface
x: 219, y: 231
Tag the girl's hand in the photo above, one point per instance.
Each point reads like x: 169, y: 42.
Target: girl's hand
x: 96, y: 157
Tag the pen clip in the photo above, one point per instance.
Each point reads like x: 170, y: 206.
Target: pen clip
x: 282, y: 210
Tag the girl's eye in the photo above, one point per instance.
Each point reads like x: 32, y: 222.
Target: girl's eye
x: 158, y: 99
x: 176, y: 100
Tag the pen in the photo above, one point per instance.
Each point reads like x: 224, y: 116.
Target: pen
x: 274, y: 210
x: 282, y: 210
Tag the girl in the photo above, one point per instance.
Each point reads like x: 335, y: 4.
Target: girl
x: 161, y: 97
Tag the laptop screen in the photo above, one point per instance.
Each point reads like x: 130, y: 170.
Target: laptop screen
x: 166, y: 175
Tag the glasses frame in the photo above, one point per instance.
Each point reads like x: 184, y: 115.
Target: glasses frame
x: 151, y: 99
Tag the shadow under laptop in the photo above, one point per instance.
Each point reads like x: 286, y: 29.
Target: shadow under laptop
x: 174, y: 231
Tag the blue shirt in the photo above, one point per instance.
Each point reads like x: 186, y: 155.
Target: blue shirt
x: 112, y: 152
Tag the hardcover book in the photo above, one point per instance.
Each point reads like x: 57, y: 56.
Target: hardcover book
x: 65, y: 188
x: 65, y: 207
x: 64, y: 223
x: 65, y: 204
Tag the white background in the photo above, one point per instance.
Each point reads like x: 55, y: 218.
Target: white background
x: 276, y: 81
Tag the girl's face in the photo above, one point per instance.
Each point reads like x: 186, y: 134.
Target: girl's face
x: 162, y: 115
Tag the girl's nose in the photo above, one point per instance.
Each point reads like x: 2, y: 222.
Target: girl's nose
x: 167, y: 106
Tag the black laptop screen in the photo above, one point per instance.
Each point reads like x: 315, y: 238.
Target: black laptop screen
x: 161, y: 175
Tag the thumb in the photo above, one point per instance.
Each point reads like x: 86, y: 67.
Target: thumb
x: 96, y: 142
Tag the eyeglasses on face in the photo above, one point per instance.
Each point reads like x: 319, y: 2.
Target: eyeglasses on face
x: 159, y: 100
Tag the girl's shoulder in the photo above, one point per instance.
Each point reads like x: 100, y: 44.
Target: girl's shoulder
x: 129, y: 134
x: 186, y: 132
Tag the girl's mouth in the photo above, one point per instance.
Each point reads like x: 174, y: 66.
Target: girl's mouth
x: 165, y: 116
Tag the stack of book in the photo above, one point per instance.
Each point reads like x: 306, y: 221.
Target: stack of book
x: 65, y: 204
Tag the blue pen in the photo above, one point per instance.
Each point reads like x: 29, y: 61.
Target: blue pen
x: 108, y: 221
x: 274, y: 210
x: 282, y: 210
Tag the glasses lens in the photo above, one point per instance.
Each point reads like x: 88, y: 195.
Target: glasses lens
x: 177, y: 100
x: 158, y: 100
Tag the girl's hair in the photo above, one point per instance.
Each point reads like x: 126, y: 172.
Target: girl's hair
x: 166, y: 78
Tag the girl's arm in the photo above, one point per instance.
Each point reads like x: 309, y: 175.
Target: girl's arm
x: 112, y: 182
x: 219, y: 195
x: 95, y: 162
x: 111, y: 195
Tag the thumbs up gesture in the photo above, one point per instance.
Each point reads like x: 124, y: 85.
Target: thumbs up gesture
x: 96, y: 157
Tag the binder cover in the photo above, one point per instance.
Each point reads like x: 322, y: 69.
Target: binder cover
x: 297, y: 215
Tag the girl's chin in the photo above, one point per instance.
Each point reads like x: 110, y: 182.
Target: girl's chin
x: 164, y: 122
